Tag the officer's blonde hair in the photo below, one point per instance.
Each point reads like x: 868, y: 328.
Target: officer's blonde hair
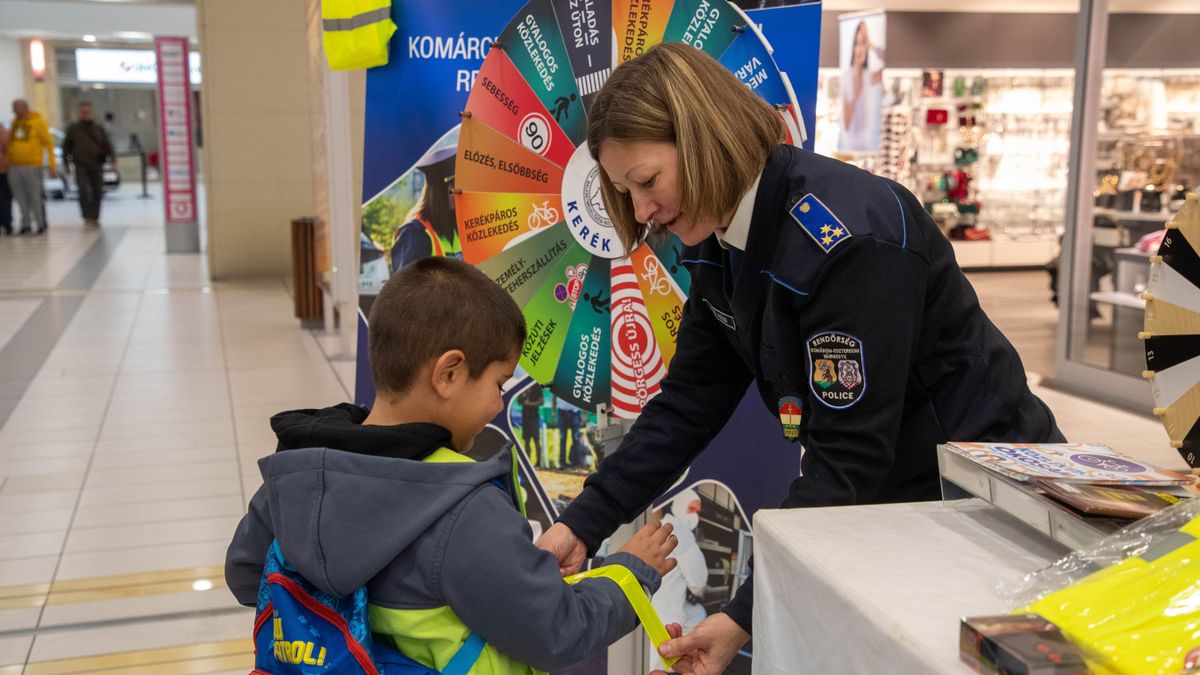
x: 677, y: 94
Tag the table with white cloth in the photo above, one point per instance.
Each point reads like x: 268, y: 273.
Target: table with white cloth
x: 882, y: 588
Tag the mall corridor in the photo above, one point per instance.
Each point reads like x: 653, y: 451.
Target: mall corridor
x: 134, y: 399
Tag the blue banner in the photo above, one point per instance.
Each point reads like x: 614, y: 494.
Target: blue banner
x: 415, y: 99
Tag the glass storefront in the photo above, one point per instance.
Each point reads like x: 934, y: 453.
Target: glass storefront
x: 1137, y: 155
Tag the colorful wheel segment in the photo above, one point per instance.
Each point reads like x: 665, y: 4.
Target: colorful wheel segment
x: 1172, y: 331
x: 602, y: 323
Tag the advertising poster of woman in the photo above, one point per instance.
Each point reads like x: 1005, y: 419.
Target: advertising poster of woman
x: 863, y: 38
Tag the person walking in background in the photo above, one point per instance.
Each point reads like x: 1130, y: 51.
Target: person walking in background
x: 29, y: 140
x: 87, y: 147
x: 5, y: 192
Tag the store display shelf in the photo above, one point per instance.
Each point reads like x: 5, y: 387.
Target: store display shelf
x: 1143, y: 216
x: 1000, y: 253
x: 1026, y: 113
x: 1118, y: 298
x: 962, y: 477
x: 1133, y: 135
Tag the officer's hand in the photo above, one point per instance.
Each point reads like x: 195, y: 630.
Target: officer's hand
x: 652, y: 544
x: 566, y: 546
x: 708, y: 649
x: 674, y: 630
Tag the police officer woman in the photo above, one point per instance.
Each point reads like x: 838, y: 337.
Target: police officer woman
x: 830, y: 287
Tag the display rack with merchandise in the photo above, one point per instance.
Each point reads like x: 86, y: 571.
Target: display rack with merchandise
x: 1147, y: 160
x: 985, y: 149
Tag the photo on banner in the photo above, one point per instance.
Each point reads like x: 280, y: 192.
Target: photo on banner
x: 863, y: 46
x: 713, y: 556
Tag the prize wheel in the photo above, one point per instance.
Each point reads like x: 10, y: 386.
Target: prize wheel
x: 1172, y: 331
x: 601, y: 324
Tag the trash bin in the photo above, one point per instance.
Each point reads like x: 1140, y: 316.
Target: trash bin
x: 305, y: 273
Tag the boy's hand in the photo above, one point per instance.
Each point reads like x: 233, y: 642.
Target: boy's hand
x: 653, y: 543
x: 568, y: 548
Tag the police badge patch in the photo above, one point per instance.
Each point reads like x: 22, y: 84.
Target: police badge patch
x: 838, y: 376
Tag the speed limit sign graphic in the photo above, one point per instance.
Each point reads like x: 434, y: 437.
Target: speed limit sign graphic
x: 535, y: 133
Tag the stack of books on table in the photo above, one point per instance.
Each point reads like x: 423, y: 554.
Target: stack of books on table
x: 1089, y: 478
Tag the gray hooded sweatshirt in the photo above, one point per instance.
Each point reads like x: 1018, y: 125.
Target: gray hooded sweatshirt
x: 353, y: 505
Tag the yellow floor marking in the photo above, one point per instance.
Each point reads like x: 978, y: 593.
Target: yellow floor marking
x: 160, y: 588
x: 92, y: 583
x: 21, y: 591
x: 27, y: 602
x: 96, y: 589
x: 198, y: 658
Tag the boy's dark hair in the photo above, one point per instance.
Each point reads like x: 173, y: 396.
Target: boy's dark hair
x: 431, y: 306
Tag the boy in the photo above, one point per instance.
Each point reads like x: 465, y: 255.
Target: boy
x: 386, y: 499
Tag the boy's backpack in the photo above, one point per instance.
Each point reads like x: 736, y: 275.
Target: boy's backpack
x: 301, y: 630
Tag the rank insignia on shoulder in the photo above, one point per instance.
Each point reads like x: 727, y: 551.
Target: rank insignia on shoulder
x: 791, y: 412
x: 819, y: 222
x: 838, y: 379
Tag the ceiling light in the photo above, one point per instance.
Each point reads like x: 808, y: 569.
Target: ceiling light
x: 202, y: 585
x: 37, y: 59
x: 89, y: 38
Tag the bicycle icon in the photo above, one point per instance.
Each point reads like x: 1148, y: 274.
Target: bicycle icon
x: 542, y: 216
x: 655, y: 277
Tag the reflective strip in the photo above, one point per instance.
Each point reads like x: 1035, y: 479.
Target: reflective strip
x: 364, y: 19
x: 637, y: 598
x: 519, y: 497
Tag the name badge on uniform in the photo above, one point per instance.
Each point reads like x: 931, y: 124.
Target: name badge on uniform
x: 838, y: 377
x: 725, y: 319
x: 791, y: 412
x: 819, y: 222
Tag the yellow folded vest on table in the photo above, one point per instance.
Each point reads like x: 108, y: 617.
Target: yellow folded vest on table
x: 1141, y: 615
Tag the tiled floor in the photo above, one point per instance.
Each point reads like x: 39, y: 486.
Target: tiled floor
x: 137, y: 401
x: 134, y: 397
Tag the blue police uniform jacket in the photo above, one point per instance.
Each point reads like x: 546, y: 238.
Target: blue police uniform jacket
x: 847, y: 302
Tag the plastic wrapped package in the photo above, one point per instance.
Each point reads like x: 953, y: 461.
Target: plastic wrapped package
x: 1131, y: 602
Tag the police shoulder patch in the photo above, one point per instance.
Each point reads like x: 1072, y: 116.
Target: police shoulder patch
x: 819, y: 222
x: 839, y: 377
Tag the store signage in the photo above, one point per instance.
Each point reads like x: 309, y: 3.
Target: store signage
x: 125, y: 66
x: 863, y: 42
x: 175, y: 123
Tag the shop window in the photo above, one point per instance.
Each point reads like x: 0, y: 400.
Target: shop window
x: 1147, y: 157
x: 986, y: 150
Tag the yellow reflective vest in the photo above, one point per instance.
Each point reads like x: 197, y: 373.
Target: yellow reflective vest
x: 356, y: 32
x: 1141, y: 615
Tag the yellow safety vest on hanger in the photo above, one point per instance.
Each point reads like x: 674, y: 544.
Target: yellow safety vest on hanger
x: 356, y: 32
